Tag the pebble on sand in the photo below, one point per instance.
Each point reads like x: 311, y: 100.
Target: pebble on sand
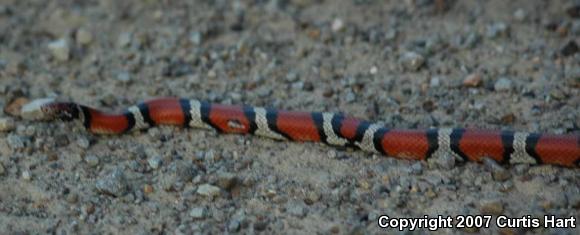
x: 6, y: 124
x: 473, y: 80
x: 493, y: 207
x: 503, y: 84
x: 412, y: 61
x: 337, y: 25
x: 208, y: 190
x: 198, y: 213
x: 83, y: 37
x: 60, y: 50
x: 113, y: 184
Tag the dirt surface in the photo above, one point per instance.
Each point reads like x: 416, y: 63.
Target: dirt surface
x: 408, y: 64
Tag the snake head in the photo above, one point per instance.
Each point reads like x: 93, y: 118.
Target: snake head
x: 47, y: 109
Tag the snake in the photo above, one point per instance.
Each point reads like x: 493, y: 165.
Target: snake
x: 335, y: 129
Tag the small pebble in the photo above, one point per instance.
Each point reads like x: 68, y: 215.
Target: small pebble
x: 337, y: 25
x: 26, y: 175
x: 473, y: 80
x: 147, y: 189
x: 198, y: 213
x: 493, y: 207
x: 498, y: 29
x: 497, y: 172
x: 435, y: 82
x: 83, y: 37
x: 297, y: 209
x: 92, y: 160
x: 15, y: 142
x: 83, y: 142
x: 373, y: 70
x: 155, y: 162
x: 113, y: 183
x: 124, y: 39
x: 195, y: 37
x: 208, y: 190
x: 7, y: 124
x: 60, y: 49
x: 520, y: 14
x: 503, y: 84
x: 417, y: 168
x: 412, y: 61
x: 124, y: 77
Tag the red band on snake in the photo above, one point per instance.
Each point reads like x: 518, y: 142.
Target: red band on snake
x: 333, y: 129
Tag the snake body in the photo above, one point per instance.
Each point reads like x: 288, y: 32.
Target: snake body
x: 333, y: 129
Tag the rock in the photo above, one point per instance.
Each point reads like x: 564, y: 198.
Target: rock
x: 417, y: 168
x: 154, y: 162
x: 124, y: 39
x: 208, y: 190
x: 124, y: 77
x: 497, y: 172
x: 296, y: 208
x: 83, y: 142
x: 503, y: 84
x: 26, y: 175
x: 185, y: 171
x: 519, y: 14
x: 373, y: 70
x: 60, y: 50
x: 435, y: 82
x: 499, y: 29
x: 195, y: 37
x: 2, y: 169
x: 7, y: 124
x: 83, y: 37
x: 113, y: 184
x: 491, y: 207
x: 198, y: 213
x: 92, y: 160
x: 412, y: 61
x: 570, y: 48
x: 15, y: 141
x: 337, y: 25
x: 147, y: 189
x: 473, y: 80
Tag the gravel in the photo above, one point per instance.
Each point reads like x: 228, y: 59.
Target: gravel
x: 113, y: 183
x: 402, y: 64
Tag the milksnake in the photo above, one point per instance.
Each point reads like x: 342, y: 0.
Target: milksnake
x: 332, y: 129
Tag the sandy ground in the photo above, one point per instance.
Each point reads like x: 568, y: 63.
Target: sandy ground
x: 408, y: 64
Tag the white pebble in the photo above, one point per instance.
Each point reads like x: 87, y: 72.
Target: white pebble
x: 26, y: 175
x: 503, y: 84
x: 197, y: 213
x: 60, y: 49
x: 154, y: 162
x: 6, y: 124
x: 208, y: 190
x: 337, y: 25
x: 124, y: 39
x: 374, y: 70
